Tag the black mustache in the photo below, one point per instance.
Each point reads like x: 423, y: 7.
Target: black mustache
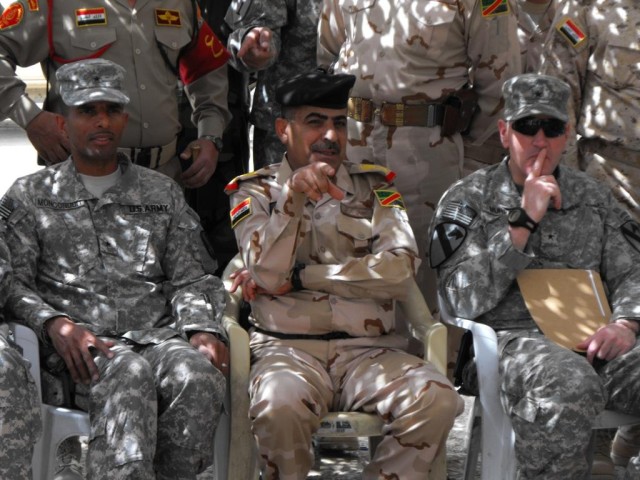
x: 333, y: 147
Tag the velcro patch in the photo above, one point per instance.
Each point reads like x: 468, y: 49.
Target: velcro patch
x: 12, y: 16
x: 390, y: 198
x: 240, y: 212
x: 491, y: 8
x: 631, y: 231
x: 89, y: 17
x: 445, y: 240
x: 6, y: 207
x: 459, y: 213
x: 168, y: 18
x: 571, y: 31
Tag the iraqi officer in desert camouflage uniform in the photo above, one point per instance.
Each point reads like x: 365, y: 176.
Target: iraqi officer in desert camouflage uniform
x: 111, y: 274
x: 329, y: 247
x: 413, y: 61
x: 158, y: 42
x: 529, y: 213
x: 594, y: 47
x: 277, y: 39
x: 20, y: 424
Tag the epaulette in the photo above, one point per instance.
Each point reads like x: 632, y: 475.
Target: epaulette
x: 234, y: 184
x: 356, y: 168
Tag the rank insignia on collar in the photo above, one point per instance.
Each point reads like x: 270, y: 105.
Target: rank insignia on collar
x: 390, y: 198
x: 571, y: 31
x: 168, y: 18
x: 491, y: 8
x: 445, y: 240
x: 240, y: 212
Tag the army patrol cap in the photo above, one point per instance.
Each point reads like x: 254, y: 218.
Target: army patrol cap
x: 316, y: 88
x: 532, y: 94
x: 93, y: 80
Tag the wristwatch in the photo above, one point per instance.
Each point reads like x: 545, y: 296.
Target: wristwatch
x: 217, y: 141
x: 517, y: 217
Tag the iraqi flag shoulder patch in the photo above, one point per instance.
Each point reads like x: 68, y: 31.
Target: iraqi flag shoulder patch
x: 240, y: 212
x: 571, y: 31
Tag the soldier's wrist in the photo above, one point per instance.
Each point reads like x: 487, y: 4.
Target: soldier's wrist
x: 633, y: 325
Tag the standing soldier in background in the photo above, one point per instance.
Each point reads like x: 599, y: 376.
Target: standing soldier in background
x: 158, y: 43
x: 277, y: 39
x: 426, y: 72
x: 413, y: 97
x: 594, y: 47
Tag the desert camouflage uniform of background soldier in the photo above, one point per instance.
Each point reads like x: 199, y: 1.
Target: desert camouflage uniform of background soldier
x: 594, y: 47
x: 418, y: 53
x: 330, y: 259
x: 20, y: 424
x: 117, y: 285
x: 280, y: 38
x: 551, y: 394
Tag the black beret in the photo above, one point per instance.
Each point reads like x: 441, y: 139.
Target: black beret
x: 317, y: 88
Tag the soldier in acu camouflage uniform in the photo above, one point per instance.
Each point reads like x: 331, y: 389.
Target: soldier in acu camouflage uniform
x: 328, y: 248
x: 277, y: 39
x: 111, y: 275
x: 594, y: 47
x: 20, y: 424
x: 529, y: 213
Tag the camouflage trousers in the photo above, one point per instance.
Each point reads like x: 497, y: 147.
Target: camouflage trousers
x: 426, y: 165
x: 294, y: 384
x: 153, y: 412
x: 553, y: 396
x: 615, y: 166
x: 20, y: 421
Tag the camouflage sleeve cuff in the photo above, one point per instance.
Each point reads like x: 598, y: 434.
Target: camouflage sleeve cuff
x: 508, y: 255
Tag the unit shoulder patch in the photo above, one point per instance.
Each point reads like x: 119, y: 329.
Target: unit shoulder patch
x: 445, y: 240
x: 12, y: 16
x: 390, y: 198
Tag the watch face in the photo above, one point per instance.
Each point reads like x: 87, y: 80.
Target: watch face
x: 513, y: 215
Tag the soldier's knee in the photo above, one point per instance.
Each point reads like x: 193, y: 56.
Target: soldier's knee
x: 441, y: 402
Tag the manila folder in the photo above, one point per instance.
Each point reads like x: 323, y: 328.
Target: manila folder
x: 568, y: 305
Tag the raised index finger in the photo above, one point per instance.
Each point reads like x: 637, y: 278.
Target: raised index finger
x: 536, y: 170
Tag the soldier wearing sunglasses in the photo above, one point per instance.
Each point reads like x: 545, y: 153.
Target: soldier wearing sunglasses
x: 529, y: 212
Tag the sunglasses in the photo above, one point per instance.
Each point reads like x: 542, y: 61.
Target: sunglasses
x: 529, y: 126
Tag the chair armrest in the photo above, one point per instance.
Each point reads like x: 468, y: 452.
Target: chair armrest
x: 28, y: 341
x: 433, y: 335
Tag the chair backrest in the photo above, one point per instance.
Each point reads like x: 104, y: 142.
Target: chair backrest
x: 243, y: 447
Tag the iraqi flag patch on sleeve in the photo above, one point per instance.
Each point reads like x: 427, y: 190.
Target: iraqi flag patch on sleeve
x: 240, y: 212
x: 390, y: 198
x: 571, y: 32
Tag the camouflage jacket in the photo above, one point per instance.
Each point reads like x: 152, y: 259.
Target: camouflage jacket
x: 412, y: 51
x: 359, y: 252
x: 590, y: 231
x: 129, y: 264
x: 294, y: 24
x: 594, y: 47
x: 532, y: 33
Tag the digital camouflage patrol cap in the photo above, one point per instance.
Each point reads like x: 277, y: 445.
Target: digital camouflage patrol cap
x: 93, y: 80
x: 532, y: 94
x: 316, y: 88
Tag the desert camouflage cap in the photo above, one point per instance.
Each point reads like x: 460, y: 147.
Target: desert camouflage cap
x: 93, y: 80
x: 317, y: 88
x: 533, y: 94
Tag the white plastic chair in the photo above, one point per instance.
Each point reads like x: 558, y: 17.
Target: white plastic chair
x: 489, y: 429
x: 58, y: 423
x: 242, y: 456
